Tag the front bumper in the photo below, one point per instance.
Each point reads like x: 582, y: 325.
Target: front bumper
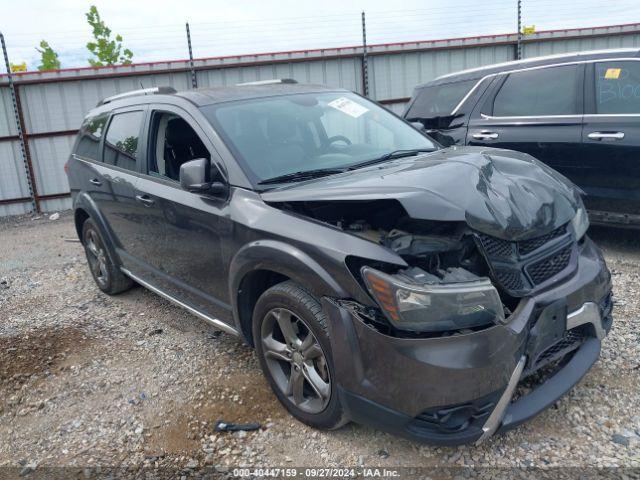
x: 459, y: 389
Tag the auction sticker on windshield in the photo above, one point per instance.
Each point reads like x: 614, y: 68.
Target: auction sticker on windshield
x: 348, y: 106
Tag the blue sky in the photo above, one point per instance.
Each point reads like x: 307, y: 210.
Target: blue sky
x: 154, y: 29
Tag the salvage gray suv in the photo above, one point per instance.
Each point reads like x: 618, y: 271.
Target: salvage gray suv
x: 381, y: 278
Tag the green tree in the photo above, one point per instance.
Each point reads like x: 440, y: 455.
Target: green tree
x: 48, y: 57
x: 106, y: 50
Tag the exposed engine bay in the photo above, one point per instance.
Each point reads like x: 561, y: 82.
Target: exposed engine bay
x: 437, y: 252
x: 439, y: 255
x: 456, y: 277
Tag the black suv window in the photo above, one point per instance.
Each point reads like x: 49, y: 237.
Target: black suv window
x: 618, y: 87
x: 121, y: 142
x: 175, y: 143
x: 439, y: 100
x: 545, y: 91
x: 90, y: 134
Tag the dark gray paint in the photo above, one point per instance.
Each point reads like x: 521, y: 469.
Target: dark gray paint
x: 501, y: 193
x: 199, y: 247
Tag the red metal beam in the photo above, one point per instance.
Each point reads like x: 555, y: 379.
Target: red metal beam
x: 53, y: 196
x: 59, y: 133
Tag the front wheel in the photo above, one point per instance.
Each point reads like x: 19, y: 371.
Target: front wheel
x: 292, y: 342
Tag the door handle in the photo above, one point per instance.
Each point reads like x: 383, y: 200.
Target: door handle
x: 96, y: 182
x: 145, y: 199
x: 606, y: 135
x: 485, y: 135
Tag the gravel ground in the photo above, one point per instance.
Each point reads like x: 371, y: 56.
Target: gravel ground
x: 132, y: 381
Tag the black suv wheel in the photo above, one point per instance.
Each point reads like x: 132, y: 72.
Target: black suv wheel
x: 105, y: 272
x: 290, y: 333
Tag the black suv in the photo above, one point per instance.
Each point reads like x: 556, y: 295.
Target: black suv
x: 380, y: 278
x: 579, y: 113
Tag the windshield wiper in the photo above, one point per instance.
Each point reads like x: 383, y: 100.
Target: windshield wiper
x: 392, y: 155
x: 302, y: 175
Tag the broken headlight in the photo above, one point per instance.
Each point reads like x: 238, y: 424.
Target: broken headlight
x: 434, y: 307
x: 580, y: 222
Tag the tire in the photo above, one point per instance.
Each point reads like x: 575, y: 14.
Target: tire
x: 104, y: 270
x: 288, y: 304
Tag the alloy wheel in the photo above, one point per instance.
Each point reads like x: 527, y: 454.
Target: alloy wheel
x: 296, y: 361
x: 97, y: 258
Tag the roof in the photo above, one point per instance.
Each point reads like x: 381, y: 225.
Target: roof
x: 211, y: 95
x: 478, y: 73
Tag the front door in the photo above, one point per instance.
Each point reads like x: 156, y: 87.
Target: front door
x: 537, y: 111
x: 183, y: 231
x: 611, y: 140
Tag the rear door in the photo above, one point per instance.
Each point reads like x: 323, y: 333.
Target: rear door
x: 108, y: 152
x: 611, y: 139
x: 119, y: 176
x: 536, y: 111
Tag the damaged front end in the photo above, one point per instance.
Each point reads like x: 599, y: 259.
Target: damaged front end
x: 494, y: 281
x: 456, y: 279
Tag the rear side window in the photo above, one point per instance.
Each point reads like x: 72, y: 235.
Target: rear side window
x: 91, y: 132
x: 545, y: 91
x: 439, y: 100
x: 617, y: 87
x: 121, y: 142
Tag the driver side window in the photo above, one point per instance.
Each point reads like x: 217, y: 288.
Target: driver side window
x: 175, y: 143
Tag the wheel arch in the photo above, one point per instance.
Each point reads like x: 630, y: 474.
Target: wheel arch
x: 261, y: 264
x: 84, y: 208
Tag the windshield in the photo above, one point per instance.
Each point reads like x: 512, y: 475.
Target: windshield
x: 302, y: 132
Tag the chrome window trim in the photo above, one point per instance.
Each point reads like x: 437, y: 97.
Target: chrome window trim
x: 544, y: 57
x: 539, y: 67
x: 466, y: 97
x: 532, y: 117
x: 611, y: 115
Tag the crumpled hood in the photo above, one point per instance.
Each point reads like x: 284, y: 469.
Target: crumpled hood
x: 502, y: 193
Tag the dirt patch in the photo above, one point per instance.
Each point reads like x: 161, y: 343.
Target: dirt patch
x: 38, y: 353
x: 244, y: 398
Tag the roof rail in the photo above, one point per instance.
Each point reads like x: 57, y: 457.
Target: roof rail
x: 135, y: 93
x: 273, y: 81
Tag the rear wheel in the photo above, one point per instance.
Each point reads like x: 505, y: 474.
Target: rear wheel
x: 290, y: 334
x: 106, y: 274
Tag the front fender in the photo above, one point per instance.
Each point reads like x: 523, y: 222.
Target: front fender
x: 285, y: 259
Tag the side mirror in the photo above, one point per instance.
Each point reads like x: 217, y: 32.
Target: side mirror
x: 418, y: 126
x: 195, y: 176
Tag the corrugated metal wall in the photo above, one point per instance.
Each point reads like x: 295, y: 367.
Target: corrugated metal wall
x: 54, y: 103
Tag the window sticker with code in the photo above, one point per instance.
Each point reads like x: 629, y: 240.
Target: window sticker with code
x: 348, y: 106
x: 612, y: 73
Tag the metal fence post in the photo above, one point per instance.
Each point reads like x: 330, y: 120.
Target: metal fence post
x: 24, y: 147
x: 519, y: 45
x: 365, y: 64
x: 194, y: 79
